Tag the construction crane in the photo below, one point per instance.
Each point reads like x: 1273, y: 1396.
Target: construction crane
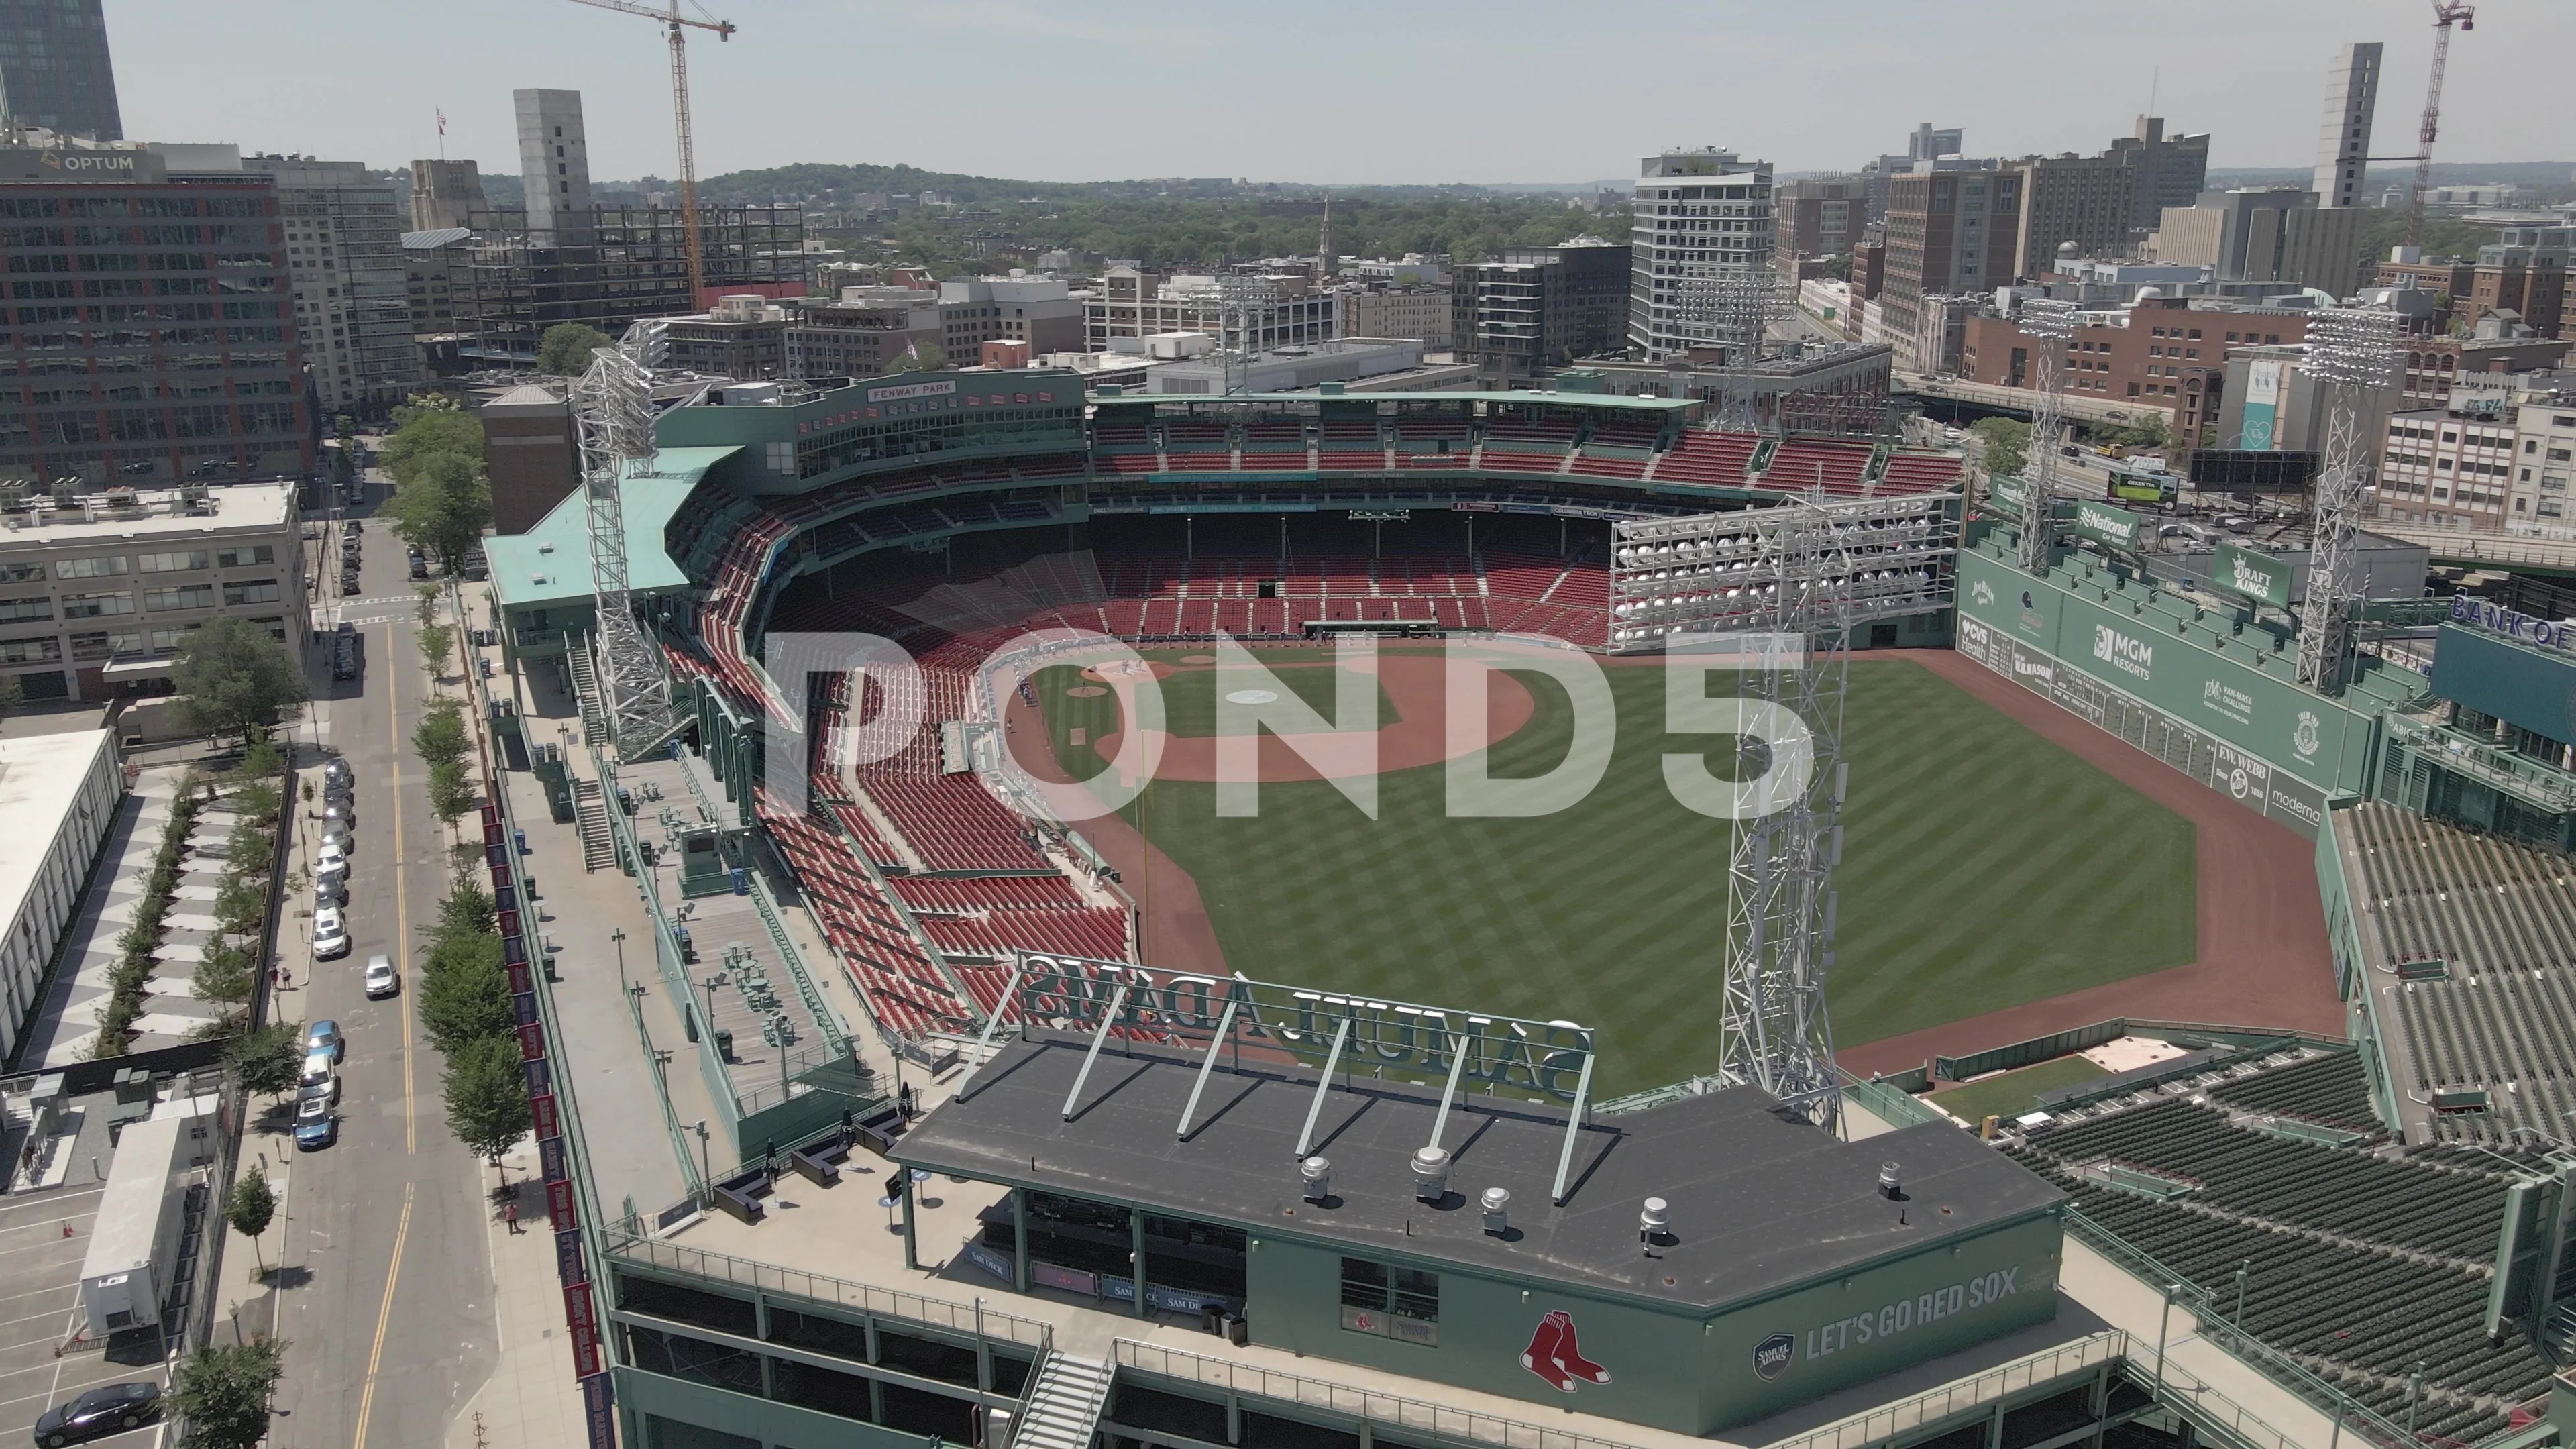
x: 678, y: 26
x: 2446, y: 13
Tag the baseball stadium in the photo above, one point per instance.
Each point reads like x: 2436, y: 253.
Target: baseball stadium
x: 2141, y: 955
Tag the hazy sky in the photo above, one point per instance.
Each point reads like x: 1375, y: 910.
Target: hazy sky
x: 1327, y: 91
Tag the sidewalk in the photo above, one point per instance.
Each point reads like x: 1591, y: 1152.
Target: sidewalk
x: 532, y: 1397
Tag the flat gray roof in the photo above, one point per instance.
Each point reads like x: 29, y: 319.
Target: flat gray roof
x: 1760, y: 1200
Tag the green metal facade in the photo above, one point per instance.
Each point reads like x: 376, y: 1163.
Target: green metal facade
x: 2183, y: 682
x: 1687, y: 1371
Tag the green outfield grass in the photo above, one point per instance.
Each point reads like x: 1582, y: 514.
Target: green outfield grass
x: 2011, y: 1094
x: 1984, y: 868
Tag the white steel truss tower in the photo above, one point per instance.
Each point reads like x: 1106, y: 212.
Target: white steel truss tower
x: 2048, y: 325
x: 1731, y: 310
x: 613, y: 403
x: 1773, y: 594
x: 2352, y: 354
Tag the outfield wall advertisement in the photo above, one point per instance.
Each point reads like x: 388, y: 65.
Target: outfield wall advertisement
x: 2275, y: 748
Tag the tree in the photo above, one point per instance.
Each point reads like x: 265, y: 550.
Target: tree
x: 428, y: 432
x: 566, y: 348
x: 267, y: 1060
x: 451, y: 791
x: 487, y: 1096
x: 919, y: 357
x: 224, y: 976
x: 439, y: 738
x: 248, y: 1207
x: 262, y: 762
x: 223, y: 1390
x: 2007, y: 445
x: 443, y: 507
x: 13, y: 693
x: 234, y: 678
x: 466, y: 910
x: 465, y: 994
x: 424, y: 607
x: 435, y: 642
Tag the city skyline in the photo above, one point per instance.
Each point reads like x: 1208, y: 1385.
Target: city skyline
x: 2250, y: 76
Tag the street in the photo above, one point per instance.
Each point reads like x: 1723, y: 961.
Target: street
x: 387, y: 1284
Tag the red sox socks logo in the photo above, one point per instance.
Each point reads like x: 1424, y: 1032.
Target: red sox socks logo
x: 1553, y: 1355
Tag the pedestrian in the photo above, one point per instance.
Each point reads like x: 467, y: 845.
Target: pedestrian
x: 510, y: 1215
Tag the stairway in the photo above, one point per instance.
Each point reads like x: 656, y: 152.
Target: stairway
x: 1064, y: 1410
x: 598, y: 847
x: 2558, y: 1337
x: 585, y: 688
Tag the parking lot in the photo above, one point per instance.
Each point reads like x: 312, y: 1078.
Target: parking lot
x: 40, y: 1270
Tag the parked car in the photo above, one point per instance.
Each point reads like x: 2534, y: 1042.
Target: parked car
x: 324, y: 1036
x: 330, y: 934
x: 336, y: 814
x: 331, y: 883
x: 348, y: 585
x: 319, y: 1073
x: 382, y: 979
x: 316, y: 1126
x: 108, y: 1409
x: 328, y: 1091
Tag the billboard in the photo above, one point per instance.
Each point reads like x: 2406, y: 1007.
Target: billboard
x: 2262, y: 404
x: 2111, y: 527
x: 2511, y: 681
x: 2259, y: 577
x: 2126, y: 668
x: 2238, y: 470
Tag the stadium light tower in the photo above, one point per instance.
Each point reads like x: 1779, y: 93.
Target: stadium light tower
x: 1238, y: 298
x: 613, y: 403
x: 2352, y: 354
x: 2048, y: 324
x: 1773, y: 594
x: 1733, y: 311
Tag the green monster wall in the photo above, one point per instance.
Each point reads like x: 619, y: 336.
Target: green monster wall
x: 2174, y: 682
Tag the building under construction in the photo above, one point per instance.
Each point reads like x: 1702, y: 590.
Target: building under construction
x: 560, y: 258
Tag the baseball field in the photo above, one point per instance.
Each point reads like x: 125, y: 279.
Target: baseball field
x: 1985, y: 867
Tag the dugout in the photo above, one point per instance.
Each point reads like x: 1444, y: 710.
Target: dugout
x: 1161, y: 1177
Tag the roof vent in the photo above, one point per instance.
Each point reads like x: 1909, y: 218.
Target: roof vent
x: 1431, y: 1174
x: 1315, y: 1179
x: 1497, y: 1202
x: 1890, y: 1186
x: 545, y: 546
x: 1654, y: 1221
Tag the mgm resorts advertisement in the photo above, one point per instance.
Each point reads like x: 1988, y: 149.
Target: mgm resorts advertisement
x: 2003, y: 615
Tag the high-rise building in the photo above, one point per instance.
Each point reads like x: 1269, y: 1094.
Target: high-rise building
x: 1926, y: 144
x: 54, y: 70
x: 1948, y: 233
x: 1420, y: 311
x: 1820, y: 217
x: 1135, y: 303
x: 2074, y: 206
x: 445, y: 194
x: 554, y: 161
x: 1929, y: 144
x: 2524, y: 271
x: 2343, y: 142
x: 1699, y: 215
x: 2164, y: 170
x: 2266, y: 234
x: 567, y: 258
x: 350, y: 280
x: 1539, y: 308
x: 170, y: 364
